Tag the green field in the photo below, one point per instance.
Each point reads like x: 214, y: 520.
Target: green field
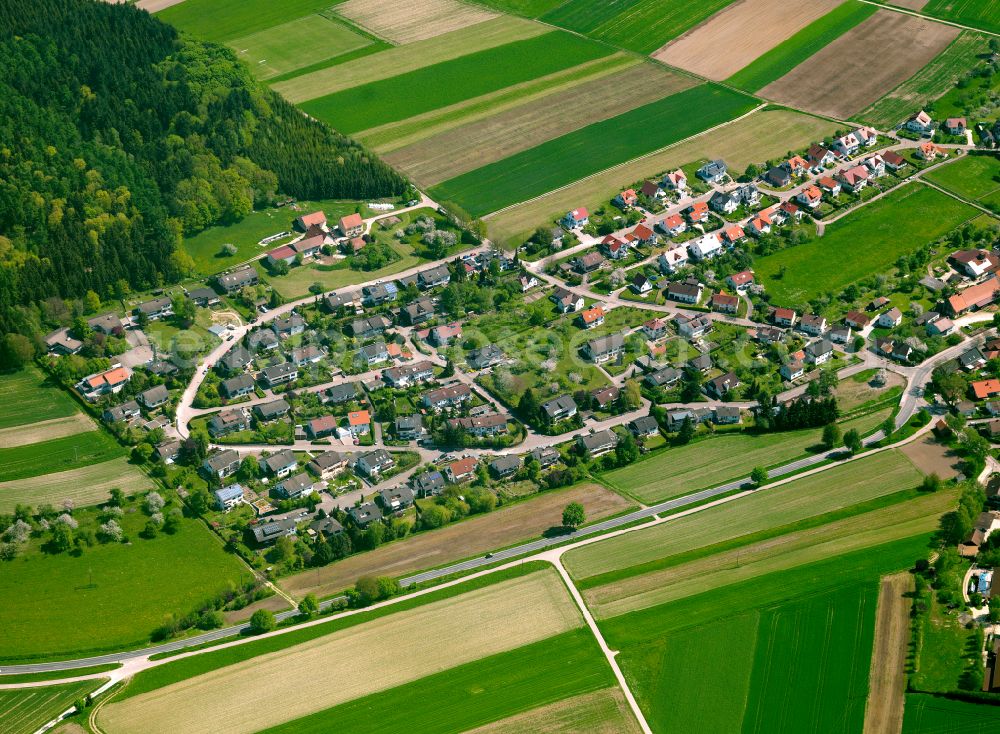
x: 929, y: 83
x: 448, y: 82
x: 840, y: 486
x: 29, y: 397
x: 85, y: 485
x: 473, y: 694
x: 973, y: 177
x: 59, y: 454
x: 864, y: 242
x: 221, y: 20
x: 296, y: 44
x: 113, y: 595
x: 593, y: 148
x: 934, y: 715
x: 27, y: 710
x: 983, y: 14
x: 784, y: 57
x: 639, y: 25
x: 685, y: 469
x: 527, y: 8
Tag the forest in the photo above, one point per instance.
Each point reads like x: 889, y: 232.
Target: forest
x: 118, y: 137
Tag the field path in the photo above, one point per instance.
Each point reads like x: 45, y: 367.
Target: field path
x: 884, y: 710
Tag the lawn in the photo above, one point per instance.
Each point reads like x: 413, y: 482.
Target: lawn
x: 929, y: 83
x: 973, y: 177
x: 777, y: 62
x: 868, y: 240
x: 272, y: 52
x: 473, y: 694
x: 59, y: 454
x: 926, y: 714
x: 221, y: 20
x: 448, y: 82
x: 111, y: 597
x: 25, y: 711
x: 86, y: 485
x: 638, y: 25
x: 983, y: 14
x: 712, y: 461
x: 840, y: 486
x: 30, y: 397
x: 592, y: 149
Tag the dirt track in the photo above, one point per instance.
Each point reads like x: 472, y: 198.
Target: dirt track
x: 845, y: 77
x: 771, y: 21
x: 884, y: 711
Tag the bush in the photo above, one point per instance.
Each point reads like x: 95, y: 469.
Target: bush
x: 262, y: 621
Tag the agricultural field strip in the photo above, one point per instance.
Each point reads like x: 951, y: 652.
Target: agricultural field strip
x: 28, y: 398
x: 775, y: 554
x: 397, y: 649
x: 475, y: 144
x: 753, y: 138
x: 26, y: 710
x: 86, y: 485
x: 221, y: 20
x: 906, y: 44
x: 68, y: 452
x: 929, y: 83
x: 601, y: 712
x: 887, y: 677
x: 45, y: 430
x: 983, y: 14
x: 408, y: 22
x: 403, y: 59
x: 974, y: 177
x: 797, y: 499
x: 772, y: 21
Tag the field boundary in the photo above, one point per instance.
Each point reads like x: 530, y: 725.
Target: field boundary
x: 887, y: 677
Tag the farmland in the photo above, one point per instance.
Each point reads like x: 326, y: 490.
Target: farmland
x: 41, y: 430
x: 396, y: 650
x: 59, y: 454
x: 906, y: 44
x: 30, y: 397
x: 591, y: 149
x: 114, y: 595
x: 601, y: 712
x: 776, y: 20
x: 27, y: 710
x: 475, y: 536
x: 926, y: 714
x: 884, y: 710
x: 973, y: 177
x: 221, y: 20
x: 649, y: 549
x: 929, y: 83
x: 983, y: 14
x: 445, y: 83
x: 642, y: 25
x: 86, y: 485
x: 781, y: 59
x: 875, y: 236
x: 411, y: 22
x: 754, y: 138
x: 685, y: 469
x: 462, y: 149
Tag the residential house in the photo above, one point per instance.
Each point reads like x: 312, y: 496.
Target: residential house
x: 505, y: 466
x: 279, y: 374
x: 819, y: 158
x: 313, y: 219
x: 733, y: 233
x: 446, y: 397
x: 546, y: 456
x: 124, y: 412
x: 856, y: 319
x: 793, y: 369
x: 462, y: 470
x: 588, y: 263
x: 109, y: 382
x: 663, y: 377
x: 760, y: 224
x: 840, y: 334
x: 796, y: 165
x: 720, y: 386
x: 626, y: 198
x: 295, y: 487
x: 154, y: 397
x: 726, y: 415
x: 929, y: 151
x: 154, y: 309
x: 893, y: 160
x: 810, y: 323
x: 285, y: 254
x: 272, y: 410
x: 673, y: 225
x: 365, y: 514
x: 236, y: 387
x: 340, y: 394
x: 640, y: 284
x: 442, y: 336
x: 290, y: 326
x: 576, y: 218
x: 60, y: 342
x: 614, y: 248
x: 373, y: 354
x: 238, y: 279
x: 778, y: 176
x: 810, y: 196
x: 605, y: 348
x: 527, y: 282
x: 725, y: 202
x: 675, y: 180
x: 322, y: 426
x: 396, y: 499
x: 409, y: 427
x: 955, y: 126
x: 650, y: 190
x: 222, y: 463
x: 559, y: 408
x: 767, y: 334
x: 409, y: 374
x: 434, y: 277
x: 693, y: 327
x: 828, y: 185
x: 697, y: 212
x: 599, y: 443
x: 644, y: 426
x: 676, y: 418
x: 725, y: 303
x: 367, y: 328
x: 492, y: 424
x: 203, y: 296
x: 875, y: 165
x: 351, y: 225
x: 328, y: 464
x: 890, y: 319
x: 972, y: 360
x: 359, y: 422
x: 740, y: 281
x: 673, y: 259
x: 847, y: 145
x: 566, y: 301
x: 281, y: 464
x: 591, y: 318
x: 376, y: 295
x: 268, y: 532
x: 655, y: 328
x: 974, y: 263
x: 940, y: 327
x: 712, y: 172
x: 701, y: 363
x: 428, y: 483
x: 169, y: 451
x: 309, y: 354
x: 419, y: 311
x: 974, y: 297
x: 484, y: 357
x: 605, y: 396
x: 785, y: 317
x: 819, y: 352
x: 705, y: 247
x: 375, y: 463
x: 643, y: 234
x: 262, y: 340
x: 854, y: 179
x: 867, y: 136
x: 235, y: 360
x: 920, y: 123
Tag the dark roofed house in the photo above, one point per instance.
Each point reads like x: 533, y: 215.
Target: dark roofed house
x: 107, y: 323
x: 684, y: 292
x: 604, y: 396
x: 419, y: 311
x: 546, y: 456
x: 328, y: 464
x: 236, y: 387
x: 339, y: 394
x: 263, y: 340
x: 712, y: 172
x: 433, y: 277
x: 484, y: 357
x: 203, y: 296
x: 294, y: 487
x: 234, y: 281
x: 125, y: 411
x: 154, y: 397
x: 155, y: 308
x: 644, y: 426
x: 428, y: 483
x: 721, y: 385
x: 372, y: 354
x: 365, y: 514
x: 222, y: 464
x: 663, y: 377
x: 226, y: 422
x: 274, y: 409
x: 268, y: 532
x: 446, y: 397
x: 60, y: 342
x: 396, y: 498
x: 281, y: 464
x: 365, y: 328
x: 598, y: 443
x: 492, y: 424
x: 409, y: 374
x: 235, y: 359
x: 560, y: 408
x: 279, y: 374
x: 289, y: 326
x: 505, y: 466
x: 605, y: 348
x: 375, y: 463
x: 409, y: 427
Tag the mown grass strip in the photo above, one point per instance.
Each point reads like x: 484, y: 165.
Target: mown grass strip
x: 786, y: 56
x: 221, y: 20
x: 56, y: 674
x: 472, y: 694
x: 59, y: 454
x: 448, y: 82
x: 593, y: 148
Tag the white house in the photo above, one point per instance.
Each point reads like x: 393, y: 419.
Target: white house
x: 576, y: 218
x: 705, y: 247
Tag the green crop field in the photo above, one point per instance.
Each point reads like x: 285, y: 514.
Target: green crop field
x: 593, y: 148
x: 866, y: 241
x: 59, y: 454
x: 473, y: 694
x: 677, y: 471
x: 26, y: 710
x: 85, y: 485
x: 29, y: 397
x: 639, y: 25
x: 448, y: 82
x: 221, y: 20
x: 973, y: 177
x: 840, y: 486
x: 113, y: 595
x: 929, y: 83
x: 527, y: 8
x: 781, y: 59
x: 296, y: 44
x: 934, y: 715
x: 983, y: 14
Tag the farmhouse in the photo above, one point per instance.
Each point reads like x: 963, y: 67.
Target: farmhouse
x: 313, y: 219
x: 974, y: 297
x: 596, y: 444
x: 605, y: 348
x: 351, y: 225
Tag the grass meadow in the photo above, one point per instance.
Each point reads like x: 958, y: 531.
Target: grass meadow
x: 866, y: 241
x: 983, y: 14
x: 29, y: 397
x: 114, y: 595
x: 777, y: 62
x: 926, y: 714
x: 26, y: 710
x: 639, y: 25
x: 973, y: 177
x: 929, y: 83
x: 222, y: 20
x: 593, y: 148
x: 706, y: 463
x: 527, y: 8
x: 59, y: 454
x: 449, y: 82
x: 85, y: 485
x: 473, y: 694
